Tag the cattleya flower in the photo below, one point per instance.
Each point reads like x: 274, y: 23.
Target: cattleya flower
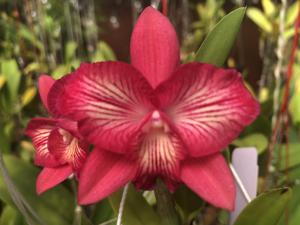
x: 59, y: 147
x: 155, y: 118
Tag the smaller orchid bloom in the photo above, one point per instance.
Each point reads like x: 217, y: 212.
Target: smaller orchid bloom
x: 59, y: 147
x: 155, y: 118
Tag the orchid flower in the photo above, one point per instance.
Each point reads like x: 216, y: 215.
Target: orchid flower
x: 155, y: 118
x: 59, y: 147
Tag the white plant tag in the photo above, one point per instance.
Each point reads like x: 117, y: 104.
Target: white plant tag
x: 245, y: 170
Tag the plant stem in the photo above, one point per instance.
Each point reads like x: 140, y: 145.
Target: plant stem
x: 276, y: 118
x: 165, y: 204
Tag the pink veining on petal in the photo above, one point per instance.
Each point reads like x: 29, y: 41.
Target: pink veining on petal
x: 45, y: 84
x: 154, y: 47
x: 110, y: 100
x: 104, y: 173
x: 211, y: 179
x: 159, y: 154
x: 50, y: 177
x: 39, y: 130
x: 67, y: 149
x: 208, y: 106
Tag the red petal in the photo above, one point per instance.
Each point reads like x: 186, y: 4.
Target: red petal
x: 154, y: 46
x: 208, y: 106
x: 69, y: 125
x: 39, y: 130
x: 45, y: 83
x: 57, y: 92
x: 211, y: 179
x: 50, y: 177
x: 103, y: 173
x: 111, y: 99
x: 67, y: 148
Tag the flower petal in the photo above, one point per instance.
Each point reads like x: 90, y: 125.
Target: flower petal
x: 103, y: 173
x: 45, y: 83
x: 208, y: 106
x: 50, y: 177
x: 211, y: 179
x: 39, y: 130
x: 109, y: 99
x: 154, y: 46
x: 67, y: 149
x: 69, y: 125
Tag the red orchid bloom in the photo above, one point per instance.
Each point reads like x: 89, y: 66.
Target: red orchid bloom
x: 59, y: 148
x: 155, y: 118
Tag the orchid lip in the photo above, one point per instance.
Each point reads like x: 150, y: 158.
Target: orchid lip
x: 156, y: 122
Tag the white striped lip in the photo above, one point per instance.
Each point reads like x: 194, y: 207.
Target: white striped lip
x: 159, y: 150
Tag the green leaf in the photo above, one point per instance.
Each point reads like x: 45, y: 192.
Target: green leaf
x: 266, y: 209
x: 269, y: 7
x: 260, y: 19
x: 257, y: 140
x: 12, y: 74
x: 56, y: 206
x: 218, y: 43
x: 293, y: 175
x: 294, y: 105
x: 136, y: 211
x: 33, y: 67
x: 2, y: 81
x: 5, y: 139
x: 103, y: 53
x: 187, y: 200
x: 291, y: 14
x: 71, y: 47
x: 102, y: 212
x: 28, y: 96
x: 293, y: 156
x: 10, y: 216
x: 293, y: 209
x: 289, y: 33
x: 60, y: 71
x: 28, y: 35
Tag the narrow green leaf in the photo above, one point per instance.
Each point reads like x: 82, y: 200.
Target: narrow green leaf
x: 10, y: 216
x: 2, y: 81
x: 291, y: 14
x: 28, y: 35
x: 70, y: 49
x: 266, y: 209
x: 293, y: 155
x: 289, y: 33
x: 12, y: 74
x: 294, y: 106
x: 137, y: 211
x: 218, y: 43
x: 54, y: 207
x: 269, y: 7
x: 293, y: 175
x: 260, y: 19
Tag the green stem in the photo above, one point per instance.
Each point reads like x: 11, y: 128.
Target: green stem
x: 165, y: 204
